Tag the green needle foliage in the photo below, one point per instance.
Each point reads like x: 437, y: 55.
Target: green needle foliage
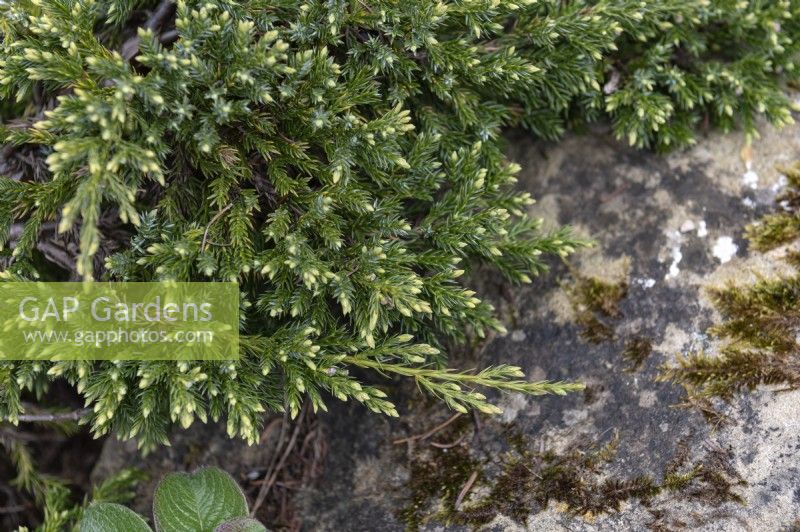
x: 342, y: 161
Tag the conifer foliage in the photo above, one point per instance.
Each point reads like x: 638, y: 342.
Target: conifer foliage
x: 341, y: 160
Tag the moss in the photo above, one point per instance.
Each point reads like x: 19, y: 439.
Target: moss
x: 663, y: 522
x: 707, y: 407
x: 760, y: 321
x: 759, y: 334
x: 601, y: 296
x: 679, y: 481
x: 711, y: 480
x: 783, y: 226
x: 637, y: 349
x: 596, y: 305
x: 593, y: 330
x: 595, y: 302
x: 531, y: 480
x: 774, y: 230
x: 437, y: 476
x: 512, y: 494
x: 577, y: 478
x: 527, y: 481
x: 591, y: 394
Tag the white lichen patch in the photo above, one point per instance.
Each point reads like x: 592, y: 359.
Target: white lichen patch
x: 574, y: 416
x: 780, y: 184
x: 750, y: 179
x: 674, y: 240
x: 512, y: 404
x: 648, y: 399
x: 702, y: 230
x: 676, y: 340
x: 677, y: 256
x: 724, y: 249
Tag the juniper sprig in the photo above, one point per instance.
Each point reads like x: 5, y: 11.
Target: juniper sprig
x: 342, y: 160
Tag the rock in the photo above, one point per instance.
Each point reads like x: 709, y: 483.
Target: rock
x: 624, y: 435
x: 635, y: 205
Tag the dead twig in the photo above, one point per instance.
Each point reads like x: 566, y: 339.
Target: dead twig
x: 477, y: 422
x: 284, y: 423
x: 267, y: 432
x: 13, y: 509
x: 160, y: 14
x: 57, y: 255
x: 270, y: 479
x: 468, y: 486
x: 449, y: 445
x: 74, y: 415
x: 169, y: 37
x: 16, y: 230
x: 130, y: 47
x: 216, y: 217
x: 428, y: 434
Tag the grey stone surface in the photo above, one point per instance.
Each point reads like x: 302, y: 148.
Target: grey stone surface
x: 669, y: 222
x: 666, y: 223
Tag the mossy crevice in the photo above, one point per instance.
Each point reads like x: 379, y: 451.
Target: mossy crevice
x: 523, y: 481
x: 437, y: 476
x: 573, y: 478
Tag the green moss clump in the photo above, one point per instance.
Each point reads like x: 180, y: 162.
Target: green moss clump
x: 637, y: 349
x: 594, y: 302
x: 575, y: 479
x: 598, y: 295
x: 759, y: 321
x: 783, y: 226
x: 712, y: 480
x: 528, y: 481
x: 437, y: 476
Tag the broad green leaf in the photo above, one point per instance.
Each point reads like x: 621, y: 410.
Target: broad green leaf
x: 242, y: 524
x: 107, y: 516
x: 197, y: 502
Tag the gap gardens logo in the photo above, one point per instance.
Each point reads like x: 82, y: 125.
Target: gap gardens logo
x: 119, y: 321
